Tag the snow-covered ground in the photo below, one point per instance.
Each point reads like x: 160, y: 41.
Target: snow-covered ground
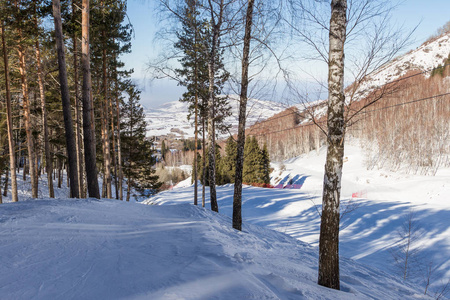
x: 378, y: 203
x: 171, y: 118
x: 108, y: 249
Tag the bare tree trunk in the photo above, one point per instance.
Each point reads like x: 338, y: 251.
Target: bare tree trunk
x: 114, y: 158
x: 12, y: 150
x: 211, y: 113
x: 195, y: 116
x: 68, y: 123
x: 329, y: 228
x: 105, y: 129
x: 88, y: 120
x: 78, y: 139
x: 27, y: 118
x: 119, y: 145
x: 5, y: 189
x: 195, y: 149
x: 48, y: 160
x: 237, y: 197
x: 128, y: 189
x: 60, y: 178
x: 204, y: 163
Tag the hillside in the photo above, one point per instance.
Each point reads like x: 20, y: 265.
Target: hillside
x: 408, y: 125
x: 171, y: 118
x: 376, y: 205
x: 109, y: 249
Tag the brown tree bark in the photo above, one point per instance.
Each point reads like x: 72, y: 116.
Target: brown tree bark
x: 88, y: 118
x: 204, y: 161
x: 12, y: 150
x: 237, y: 197
x: 329, y: 227
x: 5, y: 189
x: 105, y: 128
x: 113, y: 141
x: 119, y: 145
x: 48, y: 159
x: 27, y: 118
x: 78, y: 139
x: 68, y: 123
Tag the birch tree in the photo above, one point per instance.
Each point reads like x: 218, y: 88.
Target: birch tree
x: 237, y: 196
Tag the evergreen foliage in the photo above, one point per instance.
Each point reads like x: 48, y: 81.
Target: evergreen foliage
x: 194, y: 40
x: 227, y: 165
x: 138, y: 152
x: 256, y: 163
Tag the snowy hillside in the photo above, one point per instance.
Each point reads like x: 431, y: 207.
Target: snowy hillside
x: 171, y: 118
x: 378, y: 203
x: 108, y: 249
x: 426, y: 57
x: 429, y: 55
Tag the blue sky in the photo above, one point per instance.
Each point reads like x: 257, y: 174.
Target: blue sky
x: 431, y: 15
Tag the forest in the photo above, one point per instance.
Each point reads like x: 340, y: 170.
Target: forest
x: 70, y: 107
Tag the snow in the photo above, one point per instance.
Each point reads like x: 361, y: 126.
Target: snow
x: 381, y: 199
x: 171, y: 118
x: 108, y: 249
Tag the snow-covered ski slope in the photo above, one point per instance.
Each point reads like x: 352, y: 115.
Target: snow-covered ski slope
x: 108, y: 249
x: 378, y: 204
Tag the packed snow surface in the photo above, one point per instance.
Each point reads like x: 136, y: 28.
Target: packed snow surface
x: 109, y: 249
x: 377, y: 204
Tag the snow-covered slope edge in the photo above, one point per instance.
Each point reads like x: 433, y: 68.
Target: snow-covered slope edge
x: 379, y: 203
x: 90, y: 249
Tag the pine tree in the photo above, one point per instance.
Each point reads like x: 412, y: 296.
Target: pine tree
x: 11, y: 143
x: 252, y: 161
x: 228, y: 163
x: 68, y: 124
x: 88, y: 115
x: 138, y: 153
x: 265, y: 165
x: 204, y: 161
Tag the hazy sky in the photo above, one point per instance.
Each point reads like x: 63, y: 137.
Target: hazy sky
x: 431, y: 15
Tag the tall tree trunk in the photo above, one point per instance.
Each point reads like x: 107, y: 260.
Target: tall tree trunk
x: 119, y: 145
x: 27, y: 118
x: 60, y: 178
x: 237, y: 197
x: 114, y: 158
x: 204, y: 162
x: 78, y: 139
x: 105, y: 128
x: 5, y: 189
x: 211, y: 116
x: 128, y: 189
x: 88, y: 118
x: 48, y: 160
x: 195, y: 150
x: 12, y: 150
x: 329, y: 227
x: 68, y: 123
x: 195, y: 113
